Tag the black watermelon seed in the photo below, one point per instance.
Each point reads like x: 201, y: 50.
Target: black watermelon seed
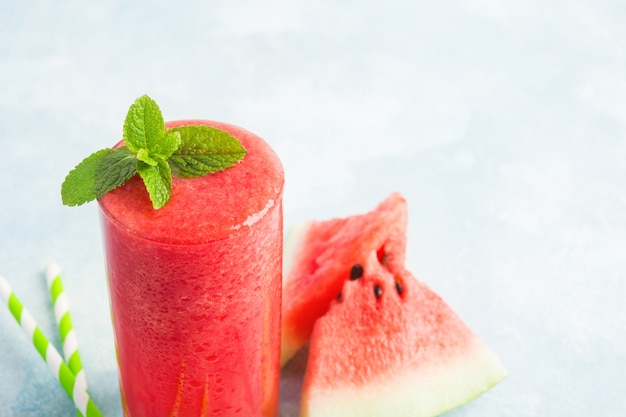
x: 339, y: 296
x: 356, y: 272
x: 378, y: 291
x: 399, y: 288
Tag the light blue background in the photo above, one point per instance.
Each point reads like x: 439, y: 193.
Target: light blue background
x: 502, y: 122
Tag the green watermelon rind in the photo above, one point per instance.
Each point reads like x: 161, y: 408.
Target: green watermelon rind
x: 402, y: 393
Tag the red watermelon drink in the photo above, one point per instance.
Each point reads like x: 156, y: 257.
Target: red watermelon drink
x: 195, y: 288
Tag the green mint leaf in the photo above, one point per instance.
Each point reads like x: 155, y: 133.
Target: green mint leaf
x: 158, y: 182
x: 113, y: 170
x: 144, y: 127
x: 144, y: 156
x: 78, y: 186
x: 168, y: 145
x: 204, y: 150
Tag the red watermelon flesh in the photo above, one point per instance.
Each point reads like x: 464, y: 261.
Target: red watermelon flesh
x: 318, y: 256
x: 389, y: 346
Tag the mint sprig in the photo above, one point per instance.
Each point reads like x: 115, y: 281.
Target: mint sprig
x: 155, y: 154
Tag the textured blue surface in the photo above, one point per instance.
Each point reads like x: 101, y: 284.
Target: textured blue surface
x: 502, y: 122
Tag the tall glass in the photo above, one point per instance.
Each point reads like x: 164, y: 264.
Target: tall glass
x: 195, y: 289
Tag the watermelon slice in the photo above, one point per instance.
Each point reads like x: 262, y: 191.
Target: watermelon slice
x: 389, y: 346
x: 318, y: 256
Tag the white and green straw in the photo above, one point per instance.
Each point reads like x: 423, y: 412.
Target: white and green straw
x: 74, y: 388
x: 64, y: 320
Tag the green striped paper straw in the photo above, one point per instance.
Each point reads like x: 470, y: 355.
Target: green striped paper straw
x: 64, y: 320
x: 63, y: 374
